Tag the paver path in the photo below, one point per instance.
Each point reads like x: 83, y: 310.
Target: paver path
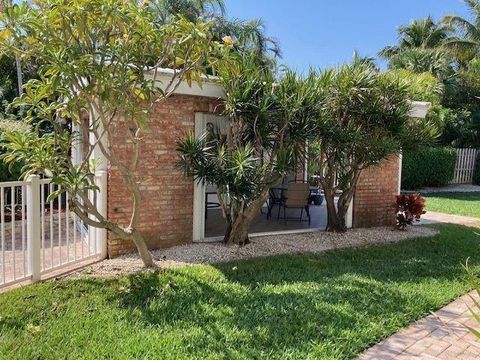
x: 441, y: 335
x: 434, y: 218
x: 452, y: 188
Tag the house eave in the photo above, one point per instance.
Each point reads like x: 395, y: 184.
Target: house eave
x: 209, y: 86
x: 419, y: 109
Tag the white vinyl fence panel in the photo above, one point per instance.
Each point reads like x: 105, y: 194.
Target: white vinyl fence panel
x: 39, y: 236
x: 465, y: 166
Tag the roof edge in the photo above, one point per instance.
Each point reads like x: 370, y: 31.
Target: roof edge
x: 209, y: 87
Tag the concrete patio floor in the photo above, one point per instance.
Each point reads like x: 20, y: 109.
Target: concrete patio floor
x: 215, y: 224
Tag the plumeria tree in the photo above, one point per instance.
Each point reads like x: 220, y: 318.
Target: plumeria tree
x: 268, y: 120
x: 99, y: 60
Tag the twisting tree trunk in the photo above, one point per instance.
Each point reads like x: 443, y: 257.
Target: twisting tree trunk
x: 239, y: 224
x: 335, y: 220
x: 142, y: 249
x: 82, y: 206
x: 337, y: 213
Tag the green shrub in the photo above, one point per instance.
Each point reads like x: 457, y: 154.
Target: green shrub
x: 428, y: 167
x: 476, y: 173
x: 7, y: 172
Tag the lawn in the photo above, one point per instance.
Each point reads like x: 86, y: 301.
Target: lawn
x: 328, y: 306
x: 466, y: 204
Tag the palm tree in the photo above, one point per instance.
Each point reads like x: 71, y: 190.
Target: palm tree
x: 247, y: 36
x: 466, y: 44
x: 421, y: 48
x: 420, y: 34
x: 417, y: 60
x: 190, y: 9
x: 367, y: 60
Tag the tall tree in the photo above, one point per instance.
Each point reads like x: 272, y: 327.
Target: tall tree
x: 363, y: 119
x: 419, y: 34
x: 466, y: 44
x: 190, y: 9
x: 434, y: 61
x: 268, y: 122
x: 99, y: 57
x: 421, y: 48
x: 246, y: 35
x: 6, y: 5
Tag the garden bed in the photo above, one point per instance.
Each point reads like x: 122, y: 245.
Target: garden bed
x: 200, y: 253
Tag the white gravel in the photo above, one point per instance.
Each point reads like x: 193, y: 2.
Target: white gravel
x: 316, y: 242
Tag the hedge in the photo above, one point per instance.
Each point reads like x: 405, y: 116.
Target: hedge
x: 428, y: 167
x: 476, y: 173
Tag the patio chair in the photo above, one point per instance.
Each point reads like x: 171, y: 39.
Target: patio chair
x: 296, y: 197
x: 274, y: 198
x: 210, y: 190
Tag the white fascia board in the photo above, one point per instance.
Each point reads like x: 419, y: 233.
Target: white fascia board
x: 209, y: 87
x: 419, y: 109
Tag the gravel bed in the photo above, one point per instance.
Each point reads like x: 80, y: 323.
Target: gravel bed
x: 202, y: 253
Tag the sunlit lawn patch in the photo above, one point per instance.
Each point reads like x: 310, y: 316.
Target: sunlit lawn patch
x: 466, y: 204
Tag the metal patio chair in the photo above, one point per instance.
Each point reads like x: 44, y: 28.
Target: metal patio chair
x: 296, y: 197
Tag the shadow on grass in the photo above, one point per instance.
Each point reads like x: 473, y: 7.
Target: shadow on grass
x: 335, y: 303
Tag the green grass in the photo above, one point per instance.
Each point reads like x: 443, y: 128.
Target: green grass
x: 466, y: 204
x: 328, y: 306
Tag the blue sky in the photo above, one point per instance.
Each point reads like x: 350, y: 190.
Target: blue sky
x: 324, y: 33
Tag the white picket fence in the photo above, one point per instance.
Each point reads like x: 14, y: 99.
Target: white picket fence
x: 465, y: 166
x: 38, y: 236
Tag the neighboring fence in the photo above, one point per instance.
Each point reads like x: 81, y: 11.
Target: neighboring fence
x: 465, y: 166
x: 38, y: 236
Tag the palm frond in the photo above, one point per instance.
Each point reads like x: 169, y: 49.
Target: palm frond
x: 389, y: 51
x: 466, y: 28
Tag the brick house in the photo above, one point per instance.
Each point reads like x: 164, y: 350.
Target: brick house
x: 175, y: 209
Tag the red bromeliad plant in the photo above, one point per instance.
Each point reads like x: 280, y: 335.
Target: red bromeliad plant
x: 408, y: 209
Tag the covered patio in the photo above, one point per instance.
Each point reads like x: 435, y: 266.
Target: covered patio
x: 308, y: 212
x: 215, y: 224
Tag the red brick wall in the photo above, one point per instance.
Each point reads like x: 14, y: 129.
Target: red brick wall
x: 372, y: 205
x: 167, y: 195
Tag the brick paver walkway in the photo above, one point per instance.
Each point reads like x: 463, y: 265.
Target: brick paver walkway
x: 442, y: 335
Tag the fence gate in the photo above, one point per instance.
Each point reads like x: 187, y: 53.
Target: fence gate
x: 465, y: 166
x: 39, y: 236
